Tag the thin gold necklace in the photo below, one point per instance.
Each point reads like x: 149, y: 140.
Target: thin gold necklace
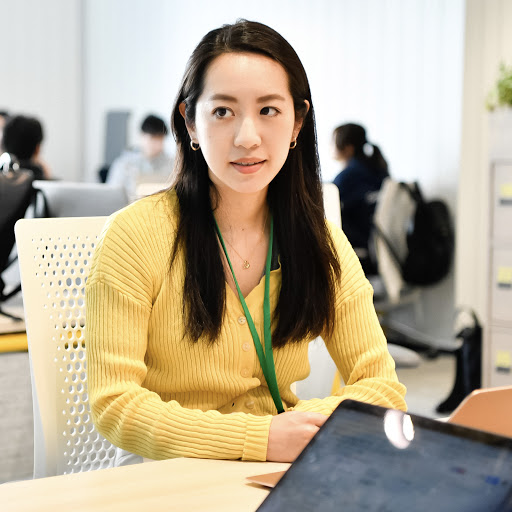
x: 246, y: 265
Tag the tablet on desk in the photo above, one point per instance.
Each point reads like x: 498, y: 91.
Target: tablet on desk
x: 370, y: 458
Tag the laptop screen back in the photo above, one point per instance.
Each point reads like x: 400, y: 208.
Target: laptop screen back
x: 375, y: 459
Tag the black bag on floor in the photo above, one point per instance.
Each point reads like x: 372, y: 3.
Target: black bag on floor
x: 468, y: 365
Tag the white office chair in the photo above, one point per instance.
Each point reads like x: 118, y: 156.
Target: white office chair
x: 404, y: 357
x: 392, y: 218
x: 54, y: 257
x: 320, y: 381
x: 393, y: 213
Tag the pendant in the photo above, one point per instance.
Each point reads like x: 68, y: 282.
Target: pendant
x: 246, y: 265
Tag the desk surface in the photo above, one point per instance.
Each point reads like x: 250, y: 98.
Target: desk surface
x: 176, y: 484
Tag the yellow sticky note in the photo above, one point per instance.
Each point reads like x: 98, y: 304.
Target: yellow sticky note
x: 506, y: 191
x: 503, y: 359
x: 504, y: 277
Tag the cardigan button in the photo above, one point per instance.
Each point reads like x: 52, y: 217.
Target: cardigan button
x: 241, y: 320
x: 245, y: 372
x: 249, y: 404
x: 246, y: 346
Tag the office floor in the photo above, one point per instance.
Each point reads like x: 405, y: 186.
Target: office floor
x: 428, y: 385
x: 16, y: 430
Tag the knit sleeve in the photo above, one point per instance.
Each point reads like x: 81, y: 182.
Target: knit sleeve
x: 118, y: 300
x: 358, y: 345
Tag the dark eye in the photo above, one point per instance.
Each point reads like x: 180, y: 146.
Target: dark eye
x: 269, y: 111
x: 222, y: 112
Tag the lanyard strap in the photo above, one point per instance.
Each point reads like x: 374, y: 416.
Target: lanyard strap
x: 266, y: 358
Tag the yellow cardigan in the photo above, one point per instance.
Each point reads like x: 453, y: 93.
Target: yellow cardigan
x: 158, y: 395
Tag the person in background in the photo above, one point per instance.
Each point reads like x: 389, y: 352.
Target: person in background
x: 4, y: 116
x: 202, y: 299
x: 364, y: 169
x: 23, y: 137
x: 149, y: 163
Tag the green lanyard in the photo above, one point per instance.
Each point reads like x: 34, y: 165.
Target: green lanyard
x: 267, y: 358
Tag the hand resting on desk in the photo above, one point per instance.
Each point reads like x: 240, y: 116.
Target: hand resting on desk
x: 290, y: 432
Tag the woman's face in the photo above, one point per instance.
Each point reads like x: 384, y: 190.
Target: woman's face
x: 245, y: 121
x: 342, y: 155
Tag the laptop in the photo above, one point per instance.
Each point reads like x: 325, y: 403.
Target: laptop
x: 371, y: 458
x: 487, y: 409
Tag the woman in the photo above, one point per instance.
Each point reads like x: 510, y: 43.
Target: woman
x: 364, y: 170
x: 187, y: 286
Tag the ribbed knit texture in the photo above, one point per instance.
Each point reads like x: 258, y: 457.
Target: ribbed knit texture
x: 155, y: 393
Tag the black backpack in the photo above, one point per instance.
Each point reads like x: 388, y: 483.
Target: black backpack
x: 430, y: 240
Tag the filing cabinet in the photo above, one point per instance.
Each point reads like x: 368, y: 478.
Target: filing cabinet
x: 501, y: 285
x: 497, y: 347
x: 500, y: 356
x: 498, y: 331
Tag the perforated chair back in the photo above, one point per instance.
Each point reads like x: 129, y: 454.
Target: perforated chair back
x: 54, y: 257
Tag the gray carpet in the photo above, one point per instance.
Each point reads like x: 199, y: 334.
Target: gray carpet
x: 16, y: 429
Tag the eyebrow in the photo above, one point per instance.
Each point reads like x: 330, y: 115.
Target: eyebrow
x: 261, y: 99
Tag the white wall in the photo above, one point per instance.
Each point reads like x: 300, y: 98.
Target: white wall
x: 393, y: 65
x: 40, y: 60
x: 489, y: 41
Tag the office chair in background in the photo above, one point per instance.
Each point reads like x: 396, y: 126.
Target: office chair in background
x: 403, y: 357
x: 324, y: 378
x: 393, y: 219
x: 15, y: 198
x: 21, y: 196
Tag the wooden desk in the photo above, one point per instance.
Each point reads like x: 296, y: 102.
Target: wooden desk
x: 177, y: 484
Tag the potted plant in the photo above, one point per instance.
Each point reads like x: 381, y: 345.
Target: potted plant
x: 499, y: 103
x: 501, y: 94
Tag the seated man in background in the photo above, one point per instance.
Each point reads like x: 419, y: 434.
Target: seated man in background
x: 22, y: 137
x: 150, y: 163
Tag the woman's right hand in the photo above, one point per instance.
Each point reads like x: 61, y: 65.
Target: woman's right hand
x: 290, y: 432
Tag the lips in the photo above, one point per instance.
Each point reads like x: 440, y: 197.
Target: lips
x: 248, y: 165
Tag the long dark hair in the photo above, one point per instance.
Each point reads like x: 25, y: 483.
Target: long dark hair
x: 352, y: 134
x: 309, y: 265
